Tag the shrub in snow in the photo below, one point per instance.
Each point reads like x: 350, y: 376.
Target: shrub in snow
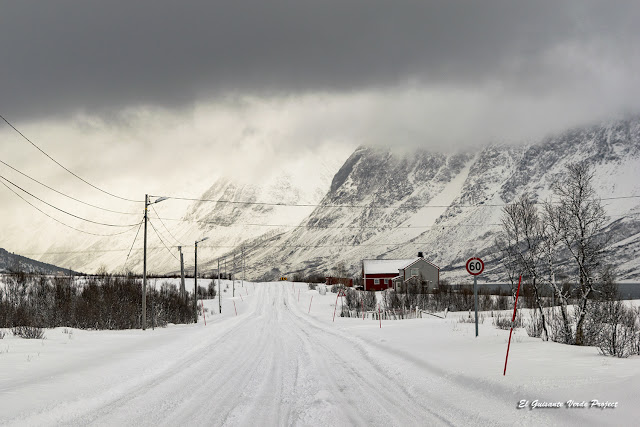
x: 618, y: 333
x: 534, y: 326
x: 312, y: 286
x: 28, y: 332
x: 471, y: 319
x: 502, y: 322
x: 101, y: 302
x: 212, y: 292
x: 336, y: 288
x: 2, y: 334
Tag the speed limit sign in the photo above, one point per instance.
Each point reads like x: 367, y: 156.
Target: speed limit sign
x: 475, y: 266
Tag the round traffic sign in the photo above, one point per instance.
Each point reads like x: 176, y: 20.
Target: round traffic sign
x: 475, y: 266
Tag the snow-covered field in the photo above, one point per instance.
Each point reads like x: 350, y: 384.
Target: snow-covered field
x: 276, y: 364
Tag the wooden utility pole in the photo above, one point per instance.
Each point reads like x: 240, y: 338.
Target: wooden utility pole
x: 195, y: 280
x: 195, y: 285
x: 144, y: 262
x: 183, y: 291
x: 144, y: 267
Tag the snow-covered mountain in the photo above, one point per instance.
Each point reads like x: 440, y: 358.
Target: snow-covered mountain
x: 382, y: 204
x: 449, y: 206
x: 226, y: 224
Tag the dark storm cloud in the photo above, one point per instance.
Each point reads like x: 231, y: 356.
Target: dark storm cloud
x: 62, y: 56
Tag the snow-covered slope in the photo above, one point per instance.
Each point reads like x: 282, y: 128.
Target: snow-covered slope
x: 283, y: 360
x: 449, y: 206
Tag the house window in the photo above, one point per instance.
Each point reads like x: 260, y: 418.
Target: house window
x: 414, y: 272
x: 376, y: 281
x: 386, y: 281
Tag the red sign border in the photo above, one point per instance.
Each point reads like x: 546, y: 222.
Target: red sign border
x: 467, y: 266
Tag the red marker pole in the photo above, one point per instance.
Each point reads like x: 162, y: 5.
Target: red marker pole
x: 379, y: 316
x: 310, y: 303
x: 234, y: 307
x: 241, y: 297
x: 513, y: 319
x: 362, y: 305
x: 205, y: 317
x: 336, y: 306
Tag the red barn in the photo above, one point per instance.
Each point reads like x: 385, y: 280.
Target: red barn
x: 348, y: 282
x: 377, y: 274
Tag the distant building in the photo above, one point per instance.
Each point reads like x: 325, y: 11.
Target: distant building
x: 381, y: 274
x: 346, y: 281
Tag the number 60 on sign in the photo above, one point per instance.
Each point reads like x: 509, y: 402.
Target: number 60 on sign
x: 475, y: 266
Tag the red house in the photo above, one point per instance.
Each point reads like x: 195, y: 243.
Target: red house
x: 377, y: 274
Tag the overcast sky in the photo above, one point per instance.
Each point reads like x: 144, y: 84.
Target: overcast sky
x: 163, y: 96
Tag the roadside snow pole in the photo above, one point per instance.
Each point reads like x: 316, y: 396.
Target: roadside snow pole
x: 241, y: 297
x: 513, y: 319
x: 362, y: 305
x: 203, y: 316
x: 336, y: 306
x: 234, y: 307
x: 475, y: 266
x: 219, y: 295
x: 379, y: 316
x: 310, y: 303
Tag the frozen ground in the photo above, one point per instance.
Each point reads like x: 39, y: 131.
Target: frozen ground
x: 275, y: 364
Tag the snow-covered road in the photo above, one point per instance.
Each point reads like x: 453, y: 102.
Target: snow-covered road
x: 271, y: 365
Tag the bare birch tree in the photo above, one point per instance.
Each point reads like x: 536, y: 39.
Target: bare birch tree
x: 578, y: 218
x: 522, y: 240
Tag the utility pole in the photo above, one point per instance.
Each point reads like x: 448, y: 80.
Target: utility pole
x: 183, y: 291
x: 144, y: 263
x: 219, y: 301
x: 195, y: 280
x: 144, y: 266
x: 195, y: 285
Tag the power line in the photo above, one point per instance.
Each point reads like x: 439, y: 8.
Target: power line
x: 363, y: 227
x: 155, y: 248
x: 60, y: 222
x: 134, y: 242
x: 63, y: 211
x: 165, y: 227
x: 165, y: 245
x: 314, y: 205
x: 66, y: 195
x: 370, y: 206
x: 63, y: 167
